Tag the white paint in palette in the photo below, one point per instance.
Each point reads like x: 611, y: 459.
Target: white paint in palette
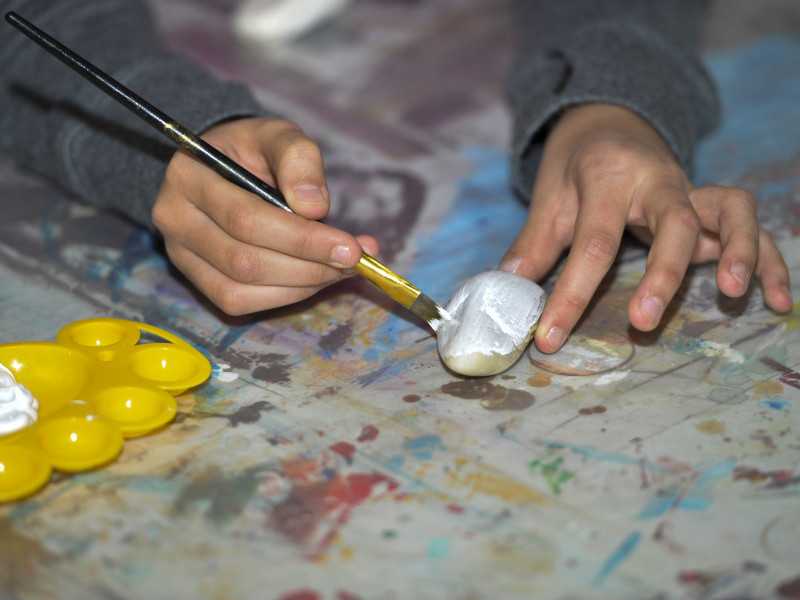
x: 18, y: 407
x: 494, y: 316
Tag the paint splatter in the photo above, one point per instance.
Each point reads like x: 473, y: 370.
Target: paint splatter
x: 711, y: 426
x: 274, y: 369
x: 552, y: 472
x: 620, y: 553
x: 488, y: 483
x: 335, y: 339
x: 593, y: 410
x: 244, y: 414
x: 439, y: 548
x: 424, y: 446
x: 697, y: 496
x: 696, y: 579
x: 775, y: 404
x: 774, y: 479
x: 368, y: 433
x: 314, y: 510
x: 491, y: 396
x: 344, y: 449
x: 540, y: 379
x: 223, y: 373
x: 411, y: 398
x: 302, y: 594
x: 768, y: 388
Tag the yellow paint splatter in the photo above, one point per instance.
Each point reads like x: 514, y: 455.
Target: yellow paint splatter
x: 536, y: 556
x: 711, y: 426
x: 769, y: 388
x: 540, y: 379
x: 792, y: 320
x: 486, y: 483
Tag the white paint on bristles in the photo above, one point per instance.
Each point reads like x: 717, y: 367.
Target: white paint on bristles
x: 18, y: 407
x: 493, y: 318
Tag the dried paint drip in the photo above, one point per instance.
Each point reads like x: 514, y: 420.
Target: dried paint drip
x: 18, y: 407
x: 494, y: 316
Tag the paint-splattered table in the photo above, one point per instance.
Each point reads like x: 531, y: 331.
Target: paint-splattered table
x: 331, y: 455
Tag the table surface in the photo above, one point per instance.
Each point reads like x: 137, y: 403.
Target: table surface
x: 332, y: 456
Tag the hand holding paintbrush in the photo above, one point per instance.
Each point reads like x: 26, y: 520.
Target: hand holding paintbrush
x: 396, y: 287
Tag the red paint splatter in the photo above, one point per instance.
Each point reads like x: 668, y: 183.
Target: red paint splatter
x: 643, y: 474
x: 779, y: 478
x: 368, y: 433
x: 361, y: 485
x: 344, y: 449
x: 314, y: 511
x: 455, y: 508
x: 695, y: 578
x: 303, y: 594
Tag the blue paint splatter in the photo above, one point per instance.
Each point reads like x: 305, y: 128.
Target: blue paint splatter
x: 697, y: 498
x: 620, y: 553
x: 395, y: 463
x: 424, y: 446
x: 775, y: 404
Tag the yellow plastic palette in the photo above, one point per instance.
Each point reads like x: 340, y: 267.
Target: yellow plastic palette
x: 99, y: 383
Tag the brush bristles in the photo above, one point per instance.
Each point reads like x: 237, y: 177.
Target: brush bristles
x: 429, y: 311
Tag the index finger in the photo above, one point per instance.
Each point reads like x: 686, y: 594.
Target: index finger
x: 247, y: 218
x: 598, y: 230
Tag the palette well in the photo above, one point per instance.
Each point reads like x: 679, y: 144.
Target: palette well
x: 102, y: 381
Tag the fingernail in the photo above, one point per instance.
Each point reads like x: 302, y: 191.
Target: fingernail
x: 652, y: 307
x: 742, y: 275
x: 555, y: 337
x: 308, y: 194
x: 510, y: 265
x: 340, y: 257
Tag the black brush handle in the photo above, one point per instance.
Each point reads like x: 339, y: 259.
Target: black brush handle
x: 176, y: 132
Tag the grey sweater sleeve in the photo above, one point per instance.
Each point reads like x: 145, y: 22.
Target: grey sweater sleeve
x: 57, y: 124
x: 640, y: 54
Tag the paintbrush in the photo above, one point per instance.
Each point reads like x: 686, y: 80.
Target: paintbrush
x: 387, y: 280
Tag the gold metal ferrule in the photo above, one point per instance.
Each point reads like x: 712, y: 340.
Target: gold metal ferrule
x: 390, y: 282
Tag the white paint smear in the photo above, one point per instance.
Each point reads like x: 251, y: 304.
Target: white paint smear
x: 18, y: 407
x: 611, y: 377
x: 223, y: 373
x: 494, y: 316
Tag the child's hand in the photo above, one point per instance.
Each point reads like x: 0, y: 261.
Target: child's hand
x: 244, y: 254
x: 604, y: 169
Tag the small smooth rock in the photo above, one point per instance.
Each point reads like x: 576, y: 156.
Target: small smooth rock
x: 493, y: 318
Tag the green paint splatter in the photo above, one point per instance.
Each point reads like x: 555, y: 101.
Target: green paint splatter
x: 552, y: 472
